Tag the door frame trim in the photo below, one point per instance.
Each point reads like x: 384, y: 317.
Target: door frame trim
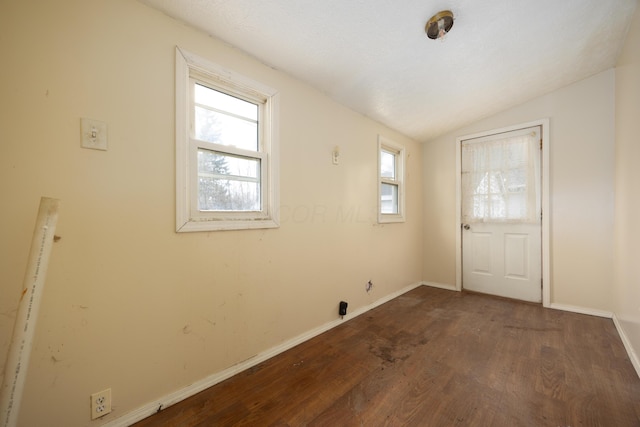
x: 545, y: 200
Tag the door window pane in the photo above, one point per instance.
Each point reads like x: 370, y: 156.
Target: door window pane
x: 498, y: 178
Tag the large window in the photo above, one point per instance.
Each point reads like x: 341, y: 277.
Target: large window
x: 391, y: 181
x: 226, y: 149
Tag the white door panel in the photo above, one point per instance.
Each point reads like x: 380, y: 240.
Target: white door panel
x: 503, y: 259
x: 516, y: 256
x: 481, y: 260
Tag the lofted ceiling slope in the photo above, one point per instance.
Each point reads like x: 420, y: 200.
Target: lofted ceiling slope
x: 374, y: 56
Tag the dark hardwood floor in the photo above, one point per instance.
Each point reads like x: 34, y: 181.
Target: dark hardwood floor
x: 433, y: 357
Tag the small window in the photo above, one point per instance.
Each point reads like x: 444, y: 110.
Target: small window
x: 226, y: 149
x: 391, y: 181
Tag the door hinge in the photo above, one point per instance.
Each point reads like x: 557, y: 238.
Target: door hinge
x: 541, y: 143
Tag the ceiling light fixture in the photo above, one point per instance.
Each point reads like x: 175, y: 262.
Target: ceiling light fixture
x: 439, y: 24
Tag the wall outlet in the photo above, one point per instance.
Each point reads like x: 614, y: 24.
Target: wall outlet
x: 100, y: 403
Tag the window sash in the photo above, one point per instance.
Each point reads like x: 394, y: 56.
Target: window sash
x: 389, y: 202
x: 233, y: 182
x: 388, y: 164
x: 229, y: 150
x: 247, y: 131
x: 262, y: 179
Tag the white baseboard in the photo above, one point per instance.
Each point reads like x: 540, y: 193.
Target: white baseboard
x: 581, y: 310
x: 440, y: 286
x: 635, y: 361
x: 179, y: 395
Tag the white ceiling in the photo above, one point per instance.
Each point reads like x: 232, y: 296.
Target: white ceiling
x: 374, y: 56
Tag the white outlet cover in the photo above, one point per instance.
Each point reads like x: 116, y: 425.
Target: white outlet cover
x: 93, y: 134
x: 100, y: 403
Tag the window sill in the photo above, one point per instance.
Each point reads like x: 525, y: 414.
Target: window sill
x: 389, y: 218
x: 222, y: 225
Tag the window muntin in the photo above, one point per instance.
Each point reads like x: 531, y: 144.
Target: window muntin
x: 390, y: 181
x: 226, y: 149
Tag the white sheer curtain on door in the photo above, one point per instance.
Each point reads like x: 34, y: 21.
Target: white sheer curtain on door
x: 500, y: 178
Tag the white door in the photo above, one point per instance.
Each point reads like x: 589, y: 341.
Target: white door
x: 501, y: 215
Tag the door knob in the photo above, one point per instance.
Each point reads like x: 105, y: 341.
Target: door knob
x: 466, y: 226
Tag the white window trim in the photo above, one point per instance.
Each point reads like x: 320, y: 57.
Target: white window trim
x: 389, y: 145
x: 188, y: 218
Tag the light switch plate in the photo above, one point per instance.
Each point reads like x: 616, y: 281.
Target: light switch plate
x: 93, y: 134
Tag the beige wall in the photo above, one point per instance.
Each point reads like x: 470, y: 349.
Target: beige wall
x: 627, y: 250
x: 128, y: 303
x: 581, y: 191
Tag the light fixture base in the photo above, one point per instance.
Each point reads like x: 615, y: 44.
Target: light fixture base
x: 439, y: 24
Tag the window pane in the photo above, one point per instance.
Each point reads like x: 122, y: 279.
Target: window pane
x: 389, y: 198
x: 495, y: 179
x: 387, y: 164
x: 227, y: 130
x: 228, y: 183
x: 222, y: 101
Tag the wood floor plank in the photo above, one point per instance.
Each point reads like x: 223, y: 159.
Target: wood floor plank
x: 437, y: 358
